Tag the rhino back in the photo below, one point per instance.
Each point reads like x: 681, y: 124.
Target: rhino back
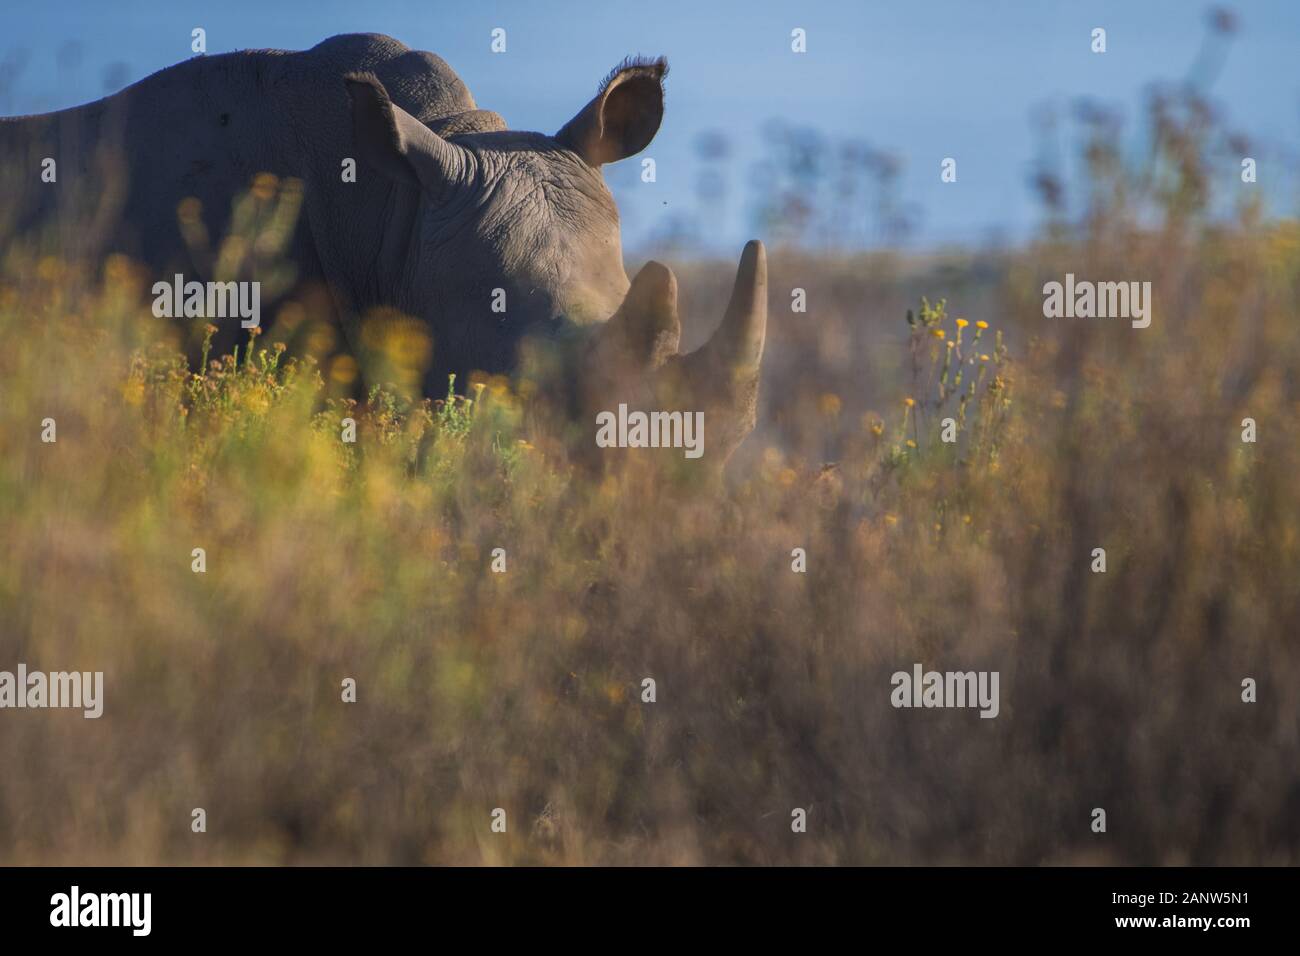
x: 202, y: 129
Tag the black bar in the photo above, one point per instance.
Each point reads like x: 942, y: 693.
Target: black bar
x: 305, y: 905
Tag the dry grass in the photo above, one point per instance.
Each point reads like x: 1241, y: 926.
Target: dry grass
x: 522, y: 690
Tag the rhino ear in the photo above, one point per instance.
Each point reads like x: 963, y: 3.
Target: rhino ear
x: 624, y: 116
x: 396, y: 143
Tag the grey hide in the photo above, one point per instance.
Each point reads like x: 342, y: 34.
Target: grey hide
x: 448, y: 205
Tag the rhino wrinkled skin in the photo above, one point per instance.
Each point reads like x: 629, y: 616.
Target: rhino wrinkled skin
x: 448, y: 205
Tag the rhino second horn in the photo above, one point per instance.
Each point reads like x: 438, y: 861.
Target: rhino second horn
x: 646, y: 327
x: 737, y: 345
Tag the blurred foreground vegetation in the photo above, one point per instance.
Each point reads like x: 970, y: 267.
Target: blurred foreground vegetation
x: 522, y: 690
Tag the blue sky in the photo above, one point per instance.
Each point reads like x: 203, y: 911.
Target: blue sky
x: 922, y: 79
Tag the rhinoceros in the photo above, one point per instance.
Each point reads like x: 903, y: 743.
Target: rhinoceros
x: 450, y: 213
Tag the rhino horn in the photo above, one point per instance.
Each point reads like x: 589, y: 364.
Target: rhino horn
x: 736, y: 348
x: 645, y: 330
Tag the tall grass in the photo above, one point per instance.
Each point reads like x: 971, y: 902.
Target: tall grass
x: 523, y: 690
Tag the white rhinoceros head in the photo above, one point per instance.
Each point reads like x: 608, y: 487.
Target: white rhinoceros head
x: 527, y: 220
